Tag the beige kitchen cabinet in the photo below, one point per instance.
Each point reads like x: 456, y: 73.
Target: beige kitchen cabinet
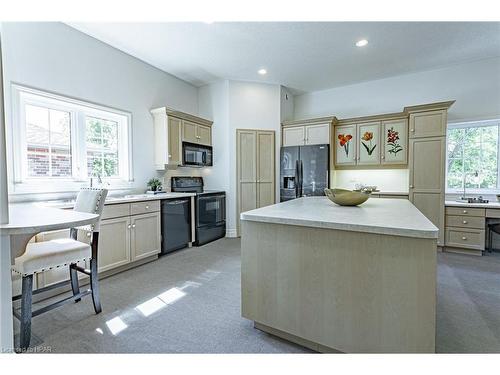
x: 368, y: 143
x: 426, y: 162
x: 394, y: 141
x: 196, y: 133
x: 293, y: 136
x: 428, y: 124
x: 427, y: 179
x: 255, y: 169
x: 171, y: 128
x: 204, y: 135
x: 174, y: 144
x: 465, y: 230
x: 345, y: 145
x: 114, y: 243
x: 145, y: 235
x: 306, y: 135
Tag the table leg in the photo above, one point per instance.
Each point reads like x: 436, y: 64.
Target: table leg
x: 6, y: 325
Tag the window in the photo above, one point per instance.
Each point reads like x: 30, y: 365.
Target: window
x: 60, y: 143
x: 472, y: 160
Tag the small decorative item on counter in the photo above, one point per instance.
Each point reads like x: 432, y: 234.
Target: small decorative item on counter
x: 393, y: 141
x: 368, y: 137
x: 344, y: 140
x: 344, y: 197
x: 154, y: 184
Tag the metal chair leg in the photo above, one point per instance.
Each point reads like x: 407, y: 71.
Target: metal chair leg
x: 75, y: 287
x: 94, y: 286
x: 26, y: 311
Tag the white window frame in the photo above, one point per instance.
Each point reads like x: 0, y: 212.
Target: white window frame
x: 475, y: 124
x: 23, y: 183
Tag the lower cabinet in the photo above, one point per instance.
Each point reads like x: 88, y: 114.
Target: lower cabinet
x: 134, y: 237
x: 127, y: 234
x: 145, y: 235
x: 114, y: 243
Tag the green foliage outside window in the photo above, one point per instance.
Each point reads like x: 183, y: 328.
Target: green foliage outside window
x: 473, y: 157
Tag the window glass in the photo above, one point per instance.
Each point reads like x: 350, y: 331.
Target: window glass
x: 102, y: 147
x: 48, y: 142
x: 472, y: 158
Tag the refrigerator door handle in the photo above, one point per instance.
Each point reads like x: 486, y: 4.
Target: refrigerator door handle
x: 297, y: 181
x: 301, y: 178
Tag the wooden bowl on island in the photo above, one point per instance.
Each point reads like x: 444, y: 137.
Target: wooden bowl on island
x: 344, y: 197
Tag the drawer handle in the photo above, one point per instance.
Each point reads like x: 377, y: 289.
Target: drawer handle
x: 465, y: 211
x: 465, y: 221
x: 147, y: 208
x: 464, y: 238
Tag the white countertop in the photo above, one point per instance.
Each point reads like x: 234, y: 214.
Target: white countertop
x: 396, y: 217
x: 490, y: 204
x: 69, y: 203
x: 29, y: 218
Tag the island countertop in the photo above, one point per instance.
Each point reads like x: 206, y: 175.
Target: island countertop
x: 397, y: 217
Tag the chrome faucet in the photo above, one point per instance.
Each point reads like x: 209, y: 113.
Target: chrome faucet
x: 99, y: 180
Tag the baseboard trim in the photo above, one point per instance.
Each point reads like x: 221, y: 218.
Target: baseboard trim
x: 231, y: 233
x: 295, y: 339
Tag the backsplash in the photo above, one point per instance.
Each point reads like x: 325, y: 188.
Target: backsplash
x: 393, y: 180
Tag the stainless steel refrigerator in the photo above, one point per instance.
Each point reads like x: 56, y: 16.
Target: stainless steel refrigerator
x: 304, y: 171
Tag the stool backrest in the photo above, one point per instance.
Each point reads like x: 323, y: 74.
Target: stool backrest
x: 91, y: 200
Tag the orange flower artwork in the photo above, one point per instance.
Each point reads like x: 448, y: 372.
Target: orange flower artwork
x: 344, y: 140
x: 367, y: 137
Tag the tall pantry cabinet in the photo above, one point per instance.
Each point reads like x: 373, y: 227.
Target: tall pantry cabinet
x: 255, y: 168
x: 427, y: 158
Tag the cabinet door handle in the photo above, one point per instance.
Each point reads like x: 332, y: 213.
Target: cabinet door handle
x: 412, y: 130
x: 88, y: 234
x: 133, y: 225
x: 129, y: 226
x: 464, y: 238
x: 411, y: 186
x: 383, y: 157
x: 465, y: 221
x: 169, y: 156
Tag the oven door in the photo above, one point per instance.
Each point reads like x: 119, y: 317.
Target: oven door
x: 196, y: 155
x: 211, y: 210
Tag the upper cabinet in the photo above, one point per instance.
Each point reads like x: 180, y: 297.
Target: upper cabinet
x: 345, y: 145
x: 196, y: 133
x: 428, y: 124
x: 395, y: 141
x: 306, y: 132
x: 371, y: 142
x: 171, y: 128
x: 368, y: 145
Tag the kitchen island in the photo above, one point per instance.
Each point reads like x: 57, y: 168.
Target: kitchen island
x: 349, y: 279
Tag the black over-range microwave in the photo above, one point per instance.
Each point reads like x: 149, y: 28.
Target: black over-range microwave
x: 196, y: 155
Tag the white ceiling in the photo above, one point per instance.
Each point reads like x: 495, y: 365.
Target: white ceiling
x: 304, y: 56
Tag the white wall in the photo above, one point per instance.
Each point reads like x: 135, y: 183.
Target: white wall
x: 475, y: 87
x: 251, y: 106
x: 236, y: 105
x: 54, y: 57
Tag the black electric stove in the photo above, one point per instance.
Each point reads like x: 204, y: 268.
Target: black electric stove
x: 210, y: 208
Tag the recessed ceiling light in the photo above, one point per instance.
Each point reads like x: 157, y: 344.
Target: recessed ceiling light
x: 262, y: 71
x: 361, y: 43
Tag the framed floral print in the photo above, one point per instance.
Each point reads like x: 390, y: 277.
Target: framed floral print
x: 395, y: 138
x: 345, y: 145
x: 369, y: 143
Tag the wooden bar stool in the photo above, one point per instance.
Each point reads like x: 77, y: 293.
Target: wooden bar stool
x: 46, y: 255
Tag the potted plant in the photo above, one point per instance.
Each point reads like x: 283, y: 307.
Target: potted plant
x: 154, y: 184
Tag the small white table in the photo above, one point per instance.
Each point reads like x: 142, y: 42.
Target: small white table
x: 26, y: 221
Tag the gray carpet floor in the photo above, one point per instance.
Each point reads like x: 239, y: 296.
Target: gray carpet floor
x: 189, y: 302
